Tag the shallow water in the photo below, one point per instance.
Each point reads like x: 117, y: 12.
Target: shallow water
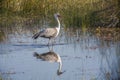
x: 84, y: 55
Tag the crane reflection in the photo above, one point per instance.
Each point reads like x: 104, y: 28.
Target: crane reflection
x: 51, y: 56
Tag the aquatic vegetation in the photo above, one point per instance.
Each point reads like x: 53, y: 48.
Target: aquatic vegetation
x: 2, y: 36
x: 108, y: 33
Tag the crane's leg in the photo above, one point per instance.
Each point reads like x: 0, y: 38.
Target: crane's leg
x: 50, y: 48
x: 49, y: 42
x: 53, y: 41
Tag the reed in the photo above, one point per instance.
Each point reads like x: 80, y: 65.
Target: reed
x: 75, y: 13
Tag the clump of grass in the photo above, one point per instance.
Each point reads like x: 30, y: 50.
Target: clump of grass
x: 1, y: 77
x: 75, y: 13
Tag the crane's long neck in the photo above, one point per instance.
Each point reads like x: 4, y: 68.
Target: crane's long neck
x: 60, y: 66
x: 58, y: 23
x: 60, y: 63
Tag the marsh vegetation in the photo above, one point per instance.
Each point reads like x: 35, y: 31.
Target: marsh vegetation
x: 75, y: 13
x: 89, y: 39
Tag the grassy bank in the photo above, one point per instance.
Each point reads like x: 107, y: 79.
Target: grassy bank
x: 75, y: 13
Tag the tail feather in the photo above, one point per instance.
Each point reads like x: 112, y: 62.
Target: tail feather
x: 35, y: 36
x: 38, y: 56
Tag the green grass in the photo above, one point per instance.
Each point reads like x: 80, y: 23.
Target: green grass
x: 1, y: 77
x: 75, y: 13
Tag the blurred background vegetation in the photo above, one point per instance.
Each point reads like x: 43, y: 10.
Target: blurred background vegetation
x: 75, y: 13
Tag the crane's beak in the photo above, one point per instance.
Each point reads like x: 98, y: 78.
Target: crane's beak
x: 58, y: 16
x: 59, y: 72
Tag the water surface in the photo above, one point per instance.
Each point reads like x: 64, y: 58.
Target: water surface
x: 85, y: 55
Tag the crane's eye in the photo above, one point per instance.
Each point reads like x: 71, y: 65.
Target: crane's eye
x: 58, y: 15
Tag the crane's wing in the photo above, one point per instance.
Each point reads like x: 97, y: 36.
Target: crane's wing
x: 47, y: 33
x: 48, y: 56
x: 35, y: 36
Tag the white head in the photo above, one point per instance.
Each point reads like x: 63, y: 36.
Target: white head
x: 57, y: 15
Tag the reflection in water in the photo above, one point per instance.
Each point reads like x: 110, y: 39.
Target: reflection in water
x: 108, y: 64
x: 103, y: 49
x: 51, y: 57
x: 2, y: 36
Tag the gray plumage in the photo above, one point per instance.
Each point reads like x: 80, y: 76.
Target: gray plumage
x: 49, y: 33
x: 51, y: 57
x: 48, y: 56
